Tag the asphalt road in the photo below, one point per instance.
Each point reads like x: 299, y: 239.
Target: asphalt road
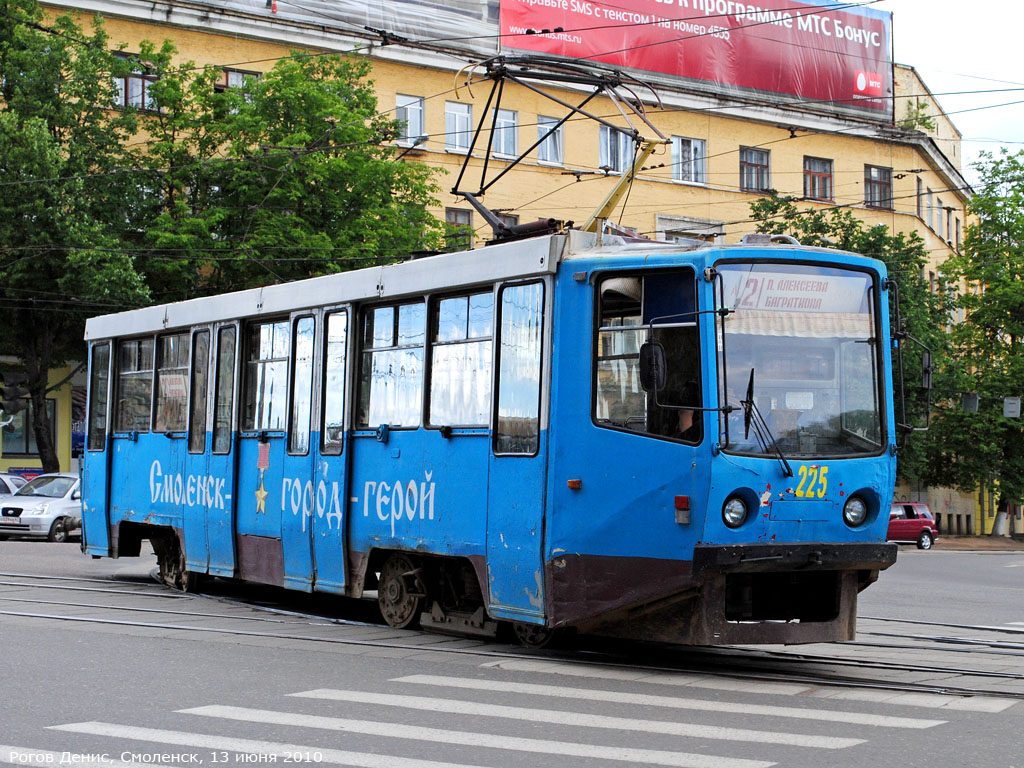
x: 301, y: 692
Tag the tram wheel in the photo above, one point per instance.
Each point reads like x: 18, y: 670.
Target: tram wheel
x: 399, y: 606
x: 170, y: 561
x: 537, y: 635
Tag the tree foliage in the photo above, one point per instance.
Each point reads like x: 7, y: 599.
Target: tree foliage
x: 924, y: 313
x: 201, y: 191
x: 977, y: 449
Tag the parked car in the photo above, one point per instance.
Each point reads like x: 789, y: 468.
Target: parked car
x: 47, y: 507
x: 912, y: 522
x: 9, y: 484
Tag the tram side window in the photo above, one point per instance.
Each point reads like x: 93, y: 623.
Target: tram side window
x: 302, y: 386
x: 517, y: 429
x: 172, y: 383
x: 391, y: 381
x: 134, y: 385
x: 266, y: 376
x: 224, y: 400
x: 460, y: 360
x: 200, y: 379
x: 335, y: 338
x: 633, y: 308
x: 99, y: 378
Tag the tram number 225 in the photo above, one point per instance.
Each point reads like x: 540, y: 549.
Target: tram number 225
x: 813, y: 481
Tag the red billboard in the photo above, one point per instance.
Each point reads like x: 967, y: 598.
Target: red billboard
x: 823, y: 53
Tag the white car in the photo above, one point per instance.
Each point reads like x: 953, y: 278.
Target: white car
x: 47, y: 507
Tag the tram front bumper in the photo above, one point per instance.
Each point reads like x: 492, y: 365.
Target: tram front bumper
x: 760, y: 558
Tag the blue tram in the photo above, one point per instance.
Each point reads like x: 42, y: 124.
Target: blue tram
x: 690, y: 443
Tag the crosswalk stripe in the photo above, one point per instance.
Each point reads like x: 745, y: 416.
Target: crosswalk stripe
x: 31, y: 756
x: 252, y: 746
x: 641, y: 699
x: 646, y: 676
x: 390, y: 730
x: 583, y: 720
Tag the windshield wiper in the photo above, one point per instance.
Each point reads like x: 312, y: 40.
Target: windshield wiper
x: 752, y: 417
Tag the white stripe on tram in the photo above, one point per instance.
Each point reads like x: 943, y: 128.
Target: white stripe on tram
x: 390, y: 730
x: 251, y: 746
x: 642, y: 699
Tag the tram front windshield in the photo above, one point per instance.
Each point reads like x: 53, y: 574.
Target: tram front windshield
x: 802, y: 344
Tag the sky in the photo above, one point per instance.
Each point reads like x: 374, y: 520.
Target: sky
x: 960, y: 46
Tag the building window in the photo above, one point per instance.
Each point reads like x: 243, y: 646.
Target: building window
x: 409, y: 113
x: 688, y: 160
x: 391, y: 385
x: 508, y: 219
x: 754, y: 172
x: 132, y: 90
x: 506, y: 128
x: 817, y: 178
x: 460, y: 229
x: 266, y: 376
x: 949, y: 224
x: 616, y: 150
x: 20, y: 435
x: 550, y: 133
x: 458, y: 126
x: 460, y: 361
x: 233, y: 78
x: 878, y: 187
x: 134, y: 385
x: 958, y: 234
x: 920, y: 199
x: 172, y: 383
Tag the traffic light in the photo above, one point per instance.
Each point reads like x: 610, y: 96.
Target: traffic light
x: 12, y: 397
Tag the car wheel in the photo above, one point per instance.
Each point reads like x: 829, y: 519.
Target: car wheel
x: 57, y: 532
x: 924, y: 541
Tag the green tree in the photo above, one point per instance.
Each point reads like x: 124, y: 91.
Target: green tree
x: 290, y: 175
x: 924, y: 313
x: 201, y: 190
x: 62, y: 227
x: 984, y: 449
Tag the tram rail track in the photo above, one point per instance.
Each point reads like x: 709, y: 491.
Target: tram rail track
x: 735, y: 663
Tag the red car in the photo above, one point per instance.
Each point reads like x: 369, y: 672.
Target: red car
x: 911, y: 521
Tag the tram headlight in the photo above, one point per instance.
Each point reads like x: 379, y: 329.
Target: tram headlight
x: 734, y: 512
x: 855, y: 511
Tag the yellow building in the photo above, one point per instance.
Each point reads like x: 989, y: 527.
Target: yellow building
x: 66, y: 406
x: 726, y: 149
x: 727, y: 143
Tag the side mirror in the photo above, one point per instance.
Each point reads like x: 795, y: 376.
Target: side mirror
x: 926, y: 369
x: 652, y: 366
x: 76, y: 495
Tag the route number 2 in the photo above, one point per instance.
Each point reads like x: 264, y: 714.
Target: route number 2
x: 811, y: 476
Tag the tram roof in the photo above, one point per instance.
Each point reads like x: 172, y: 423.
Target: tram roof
x: 503, y: 261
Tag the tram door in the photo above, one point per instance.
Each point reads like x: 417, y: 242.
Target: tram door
x: 263, y: 414
x: 96, y: 477
x: 199, y: 491
x: 131, y: 456
x: 220, y: 512
x: 297, y: 486
x: 515, y: 505
x: 328, y: 445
